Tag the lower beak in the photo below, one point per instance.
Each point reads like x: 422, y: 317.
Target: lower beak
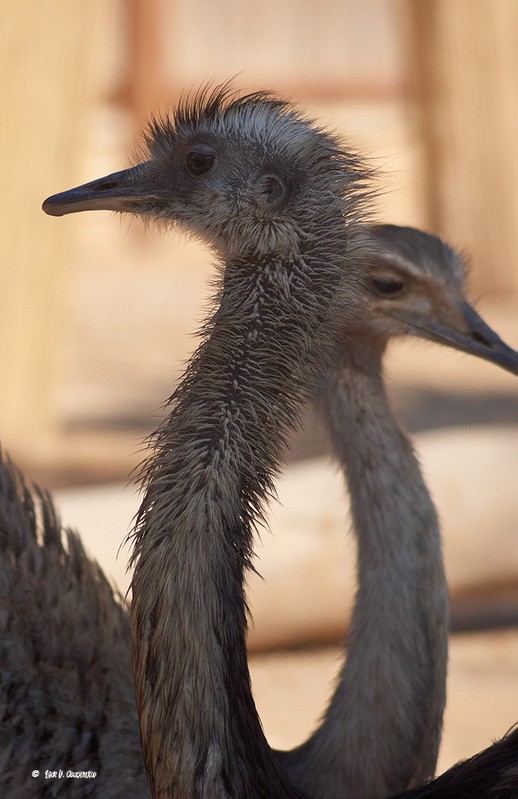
x: 121, y: 191
x: 476, y: 337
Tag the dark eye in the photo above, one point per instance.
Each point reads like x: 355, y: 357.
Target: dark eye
x: 200, y: 160
x: 385, y: 286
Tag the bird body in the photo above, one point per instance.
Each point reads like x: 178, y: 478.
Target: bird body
x: 65, y: 666
x: 489, y: 774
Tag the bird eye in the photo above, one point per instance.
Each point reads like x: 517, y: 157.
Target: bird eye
x: 385, y: 286
x: 200, y: 160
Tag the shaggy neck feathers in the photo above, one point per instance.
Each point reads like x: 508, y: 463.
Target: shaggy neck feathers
x: 215, y: 458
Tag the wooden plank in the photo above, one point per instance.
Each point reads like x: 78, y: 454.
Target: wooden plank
x: 45, y: 55
x: 148, y: 32
x: 462, y: 67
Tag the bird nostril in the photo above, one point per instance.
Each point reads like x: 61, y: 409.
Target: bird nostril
x: 107, y: 185
x: 481, y: 339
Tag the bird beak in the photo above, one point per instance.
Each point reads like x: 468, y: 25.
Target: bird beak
x: 128, y: 190
x: 470, y: 334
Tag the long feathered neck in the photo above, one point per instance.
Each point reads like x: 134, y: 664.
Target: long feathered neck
x: 382, y: 729
x: 212, y: 469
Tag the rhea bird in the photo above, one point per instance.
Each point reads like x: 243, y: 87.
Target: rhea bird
x: 260, y: 184
x: 382, y: 729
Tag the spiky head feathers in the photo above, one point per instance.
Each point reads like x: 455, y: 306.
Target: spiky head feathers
x: 246, y: 174
x: 250, y: 172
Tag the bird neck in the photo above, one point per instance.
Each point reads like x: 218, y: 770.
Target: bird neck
x: 211, y: 472
x: 382, y: 729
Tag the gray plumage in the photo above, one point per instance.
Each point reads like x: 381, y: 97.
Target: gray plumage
x: 490, y: 774
x: 66, y: 692
x: 381, y: 732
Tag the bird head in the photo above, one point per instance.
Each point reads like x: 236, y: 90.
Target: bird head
x: 242, y: 173
x: 414, y: 284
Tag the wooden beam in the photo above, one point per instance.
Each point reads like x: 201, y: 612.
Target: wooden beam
x: 144, y: 89
x: 45, y: 57
x: 462, y: 66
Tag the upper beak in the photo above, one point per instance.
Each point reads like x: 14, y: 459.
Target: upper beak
x: 128, y: 190
x: 474, y: 336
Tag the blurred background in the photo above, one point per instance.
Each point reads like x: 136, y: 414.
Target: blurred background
x: 97, y: 314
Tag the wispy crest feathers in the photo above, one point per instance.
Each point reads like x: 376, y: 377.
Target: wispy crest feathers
x: 206, y: 105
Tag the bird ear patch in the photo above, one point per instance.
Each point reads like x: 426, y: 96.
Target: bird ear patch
x: 270, y: 192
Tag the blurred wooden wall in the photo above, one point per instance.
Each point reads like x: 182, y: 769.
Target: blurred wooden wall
x: 453, y: 62
x: 456, y: 61
x: 46, y: 59
x: 310, y: 50
x: 462, y: 72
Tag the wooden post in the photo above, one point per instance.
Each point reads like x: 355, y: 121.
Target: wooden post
x: 144, y: 89
x: 463, y: 70
x: 45, y: 54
